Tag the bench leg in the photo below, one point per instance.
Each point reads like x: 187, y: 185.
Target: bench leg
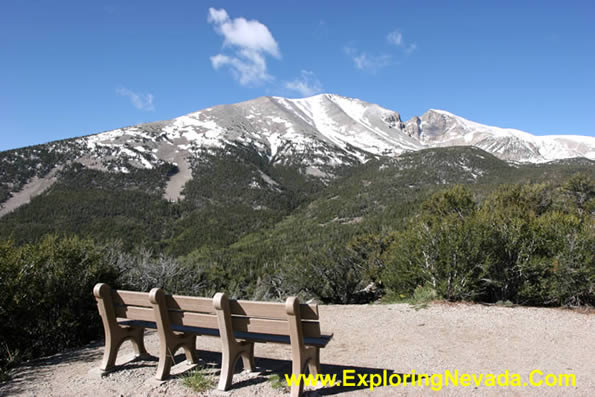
x: 248, y: 357
x: 138, y: 343
x: 166, y: 359
x: 297, y: 369
x: 190, y: 349
x: 227, y: 366
x: 306, y: 358
x: 168, y: 348
x: 110, y: 353
x: 230, y: 355
x: 314, y: 362
x: 114, y: 340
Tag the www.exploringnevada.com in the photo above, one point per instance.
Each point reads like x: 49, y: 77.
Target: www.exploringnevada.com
x: 350, y: 378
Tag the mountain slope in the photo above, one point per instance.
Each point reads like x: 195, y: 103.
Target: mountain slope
x: 236, y: 195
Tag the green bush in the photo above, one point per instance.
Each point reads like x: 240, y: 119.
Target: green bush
x: 443, y: 248
x: 333, y: 275
x: 47, y: 303
x: 519, y: 244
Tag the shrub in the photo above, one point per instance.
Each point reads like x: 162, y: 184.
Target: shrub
x: 443, y: 248
x: 332, y: 275
x: 516, y: 245
x: 47, y: 303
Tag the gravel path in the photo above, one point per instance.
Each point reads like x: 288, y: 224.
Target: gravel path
x: 368, y: 339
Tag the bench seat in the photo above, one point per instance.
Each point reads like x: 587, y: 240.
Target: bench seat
x: 322, y: 341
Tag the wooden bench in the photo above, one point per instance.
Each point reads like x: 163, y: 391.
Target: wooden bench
x: 179, y: 319
x: 243, y: 323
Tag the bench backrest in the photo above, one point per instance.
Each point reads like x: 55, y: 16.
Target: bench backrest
x: 271, y: 318
x: 130, y: 305
x: 267, y: 318
x: 181, y: 310
x: 287, y: 319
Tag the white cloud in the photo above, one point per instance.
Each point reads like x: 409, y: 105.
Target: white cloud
x: 396, y: 38
x: 307, y: 84
x: 249, y: 67
x: 217, y: 16
x: 140, y: 101
x: 364, y: 61
x: 249, y: 40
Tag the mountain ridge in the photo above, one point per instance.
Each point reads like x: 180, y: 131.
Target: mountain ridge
x: 438, y: 127
x: 318, y: 135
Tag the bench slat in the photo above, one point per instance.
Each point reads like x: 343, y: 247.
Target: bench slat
x: 190, y: 319
x: 321, y: 341
x: 311, y: 329
x: 270, y: 310
x: 134, y: 313
x: 190, y: 303
x: 139, y: 323
x: 131, y: 298
x: 196, y: 330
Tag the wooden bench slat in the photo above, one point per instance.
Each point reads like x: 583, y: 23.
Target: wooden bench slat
x: 190, y: 319
x: 134, y: 312
x: 196, y: 330
x: 311, y: 329
x: 321, y: 341
x: 177, y: 328
x: 190, y: 303
x: 132, y: 298
x: 271, y: 310
x: 139, y: 323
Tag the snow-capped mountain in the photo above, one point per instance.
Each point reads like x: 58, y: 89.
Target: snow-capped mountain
x: 318, y: 135
x: 324, y: 130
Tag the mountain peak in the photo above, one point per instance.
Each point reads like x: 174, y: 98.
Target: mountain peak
x: 443, y: 112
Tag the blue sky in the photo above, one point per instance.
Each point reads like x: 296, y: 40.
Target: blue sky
x: 71, y: 68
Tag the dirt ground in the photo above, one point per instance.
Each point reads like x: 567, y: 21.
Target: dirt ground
x: 472, y: 339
